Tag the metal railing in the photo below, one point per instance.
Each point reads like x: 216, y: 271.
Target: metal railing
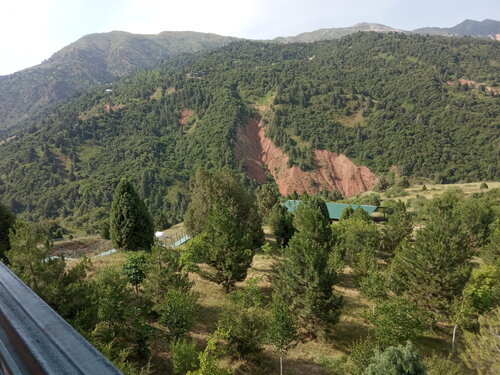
x: 34, y: 339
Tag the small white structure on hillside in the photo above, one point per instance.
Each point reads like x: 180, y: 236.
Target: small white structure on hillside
x: 160, y: 235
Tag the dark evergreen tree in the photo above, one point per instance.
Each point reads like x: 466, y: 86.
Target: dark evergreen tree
x: 227, y: 246
x: 433, y: 270
x: 266, y: 197
x: 306, y: 275
x: 7, y: 220
x: 281, y: 224
x: 396, y: 321
x: 357, y: 240
x: 131, y: 226
x: 221, y: 186
x: 312, y: 220
x: 399, y: 226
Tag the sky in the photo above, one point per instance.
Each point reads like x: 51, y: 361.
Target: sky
x: 32, y: 30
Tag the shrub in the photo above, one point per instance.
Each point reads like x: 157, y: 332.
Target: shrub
x: 177, y: 312
x: 184, y: 356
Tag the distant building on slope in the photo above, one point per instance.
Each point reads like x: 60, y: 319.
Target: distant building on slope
x: 334, y: 209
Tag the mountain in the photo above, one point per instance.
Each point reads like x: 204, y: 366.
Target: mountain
x: 323, y: 116
x: 335, y: 33
x: 93, y: 59
x: 102, y: 58
x: 485, y: 29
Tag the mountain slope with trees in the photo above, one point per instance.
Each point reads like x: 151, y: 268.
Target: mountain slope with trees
x: 91, y: 60
x: 381, y: 99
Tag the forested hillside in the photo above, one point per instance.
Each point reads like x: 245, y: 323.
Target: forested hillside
x: 91, y: 60
x: 382, y: 99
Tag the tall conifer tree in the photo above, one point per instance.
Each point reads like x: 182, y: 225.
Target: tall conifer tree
x: 131, y: 226
x: 306, y: 275
x: 433, y: 270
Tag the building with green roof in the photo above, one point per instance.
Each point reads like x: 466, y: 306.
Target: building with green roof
x: 334, y: 209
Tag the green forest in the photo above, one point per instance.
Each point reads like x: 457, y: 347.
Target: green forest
x: 259, y: 290
x: 384, y: 100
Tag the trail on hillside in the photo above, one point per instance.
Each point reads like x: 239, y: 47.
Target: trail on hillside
x: 332, y: 172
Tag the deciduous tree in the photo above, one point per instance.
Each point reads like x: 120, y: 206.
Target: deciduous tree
x: 282, y: 331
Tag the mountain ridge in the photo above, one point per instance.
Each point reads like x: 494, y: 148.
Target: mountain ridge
x: 487, y: 28
x: 104, y: 57
x: 93, y: 59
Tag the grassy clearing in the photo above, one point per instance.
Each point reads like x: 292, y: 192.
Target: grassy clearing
x: 79, y: 247
x: 438, y: 189
x: 351, y: 121
x: 432, y: 190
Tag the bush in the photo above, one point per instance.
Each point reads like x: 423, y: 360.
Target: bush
x: 177, y: 312
x: 105, y: 231
x: 396, y: 192
x: 484, y: 185
x: 396, y: 360
x: 439, y: 365
x: 396, y: 321
x: 184, y: 356
x: 246, y: 329
x: 361, y: 353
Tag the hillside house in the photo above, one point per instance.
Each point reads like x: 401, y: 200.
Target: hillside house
x: 334, y: 209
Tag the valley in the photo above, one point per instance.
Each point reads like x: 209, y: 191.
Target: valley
x: 166, y: 194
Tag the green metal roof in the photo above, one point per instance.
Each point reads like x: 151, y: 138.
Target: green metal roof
x: 334, y: 209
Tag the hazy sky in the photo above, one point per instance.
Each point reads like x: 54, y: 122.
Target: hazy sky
x: 32, y: 30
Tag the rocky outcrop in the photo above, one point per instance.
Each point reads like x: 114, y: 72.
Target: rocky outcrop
x: 333, y: 171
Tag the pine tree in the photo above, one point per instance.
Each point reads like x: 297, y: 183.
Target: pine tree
x: 7, y: 220
x: 227, y: 247
x: 305, y: 277
x: 312, y: 219
x: 433, y: 271
x: 357, y: 240
x: 281, y: 224
x: 399, y: 226
x: 266, y: 197
x: 396, y: 321
x: 131, y: 225
x: 221, y: 186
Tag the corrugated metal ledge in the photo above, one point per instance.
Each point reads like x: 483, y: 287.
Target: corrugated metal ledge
x: 34, y: 339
